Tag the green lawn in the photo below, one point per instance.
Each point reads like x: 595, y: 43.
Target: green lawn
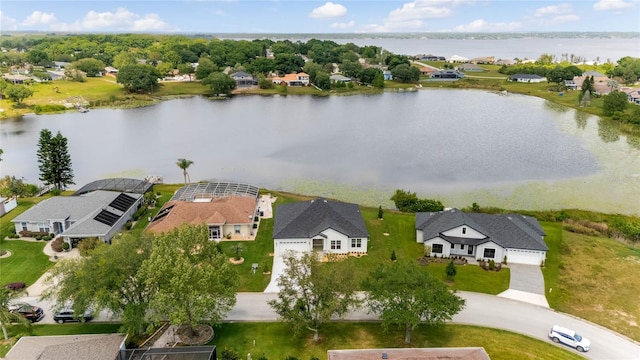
x: 276, y: 341
x: 27, y: 261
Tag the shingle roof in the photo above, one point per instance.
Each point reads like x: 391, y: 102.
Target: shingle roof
x: 307, y: 219
x: 525, y: 76
x: 226, y: 210
x: 77, y: 347
x: 506, y: 230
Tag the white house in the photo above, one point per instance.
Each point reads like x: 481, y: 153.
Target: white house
x: 482, y: 236
x: 527, y: 78
x: 320, y: 225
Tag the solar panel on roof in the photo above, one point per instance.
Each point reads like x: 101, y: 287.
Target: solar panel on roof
x: 123, y: 202
x: 107, y: 217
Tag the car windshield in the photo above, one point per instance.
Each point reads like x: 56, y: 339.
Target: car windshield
x: 578, y: 337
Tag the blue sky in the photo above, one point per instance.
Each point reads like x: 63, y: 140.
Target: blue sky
x: 301, y: 16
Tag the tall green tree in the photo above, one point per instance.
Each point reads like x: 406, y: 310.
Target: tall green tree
x: 54, y: 160
x: 312, y: 293
x: 108, y: 279
x: 184, y: 165
x: 17, y: 93
x: 407, y: 296
x: 92, y: 67
x: 615, y: 101
x: 220, y: 83
x: 190, y: 279
x: 138, y: 77
x: 123, y: 59
x: 406, y: 73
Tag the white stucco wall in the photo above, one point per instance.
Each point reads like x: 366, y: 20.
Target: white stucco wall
x: 446, y: 246
x: 490, y: 245
x: 464, y: 232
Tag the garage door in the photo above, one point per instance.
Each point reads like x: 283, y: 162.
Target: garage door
x: 280, y: 246
x: 528, y: 257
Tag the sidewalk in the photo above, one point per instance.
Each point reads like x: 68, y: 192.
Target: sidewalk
x: 37, y: 288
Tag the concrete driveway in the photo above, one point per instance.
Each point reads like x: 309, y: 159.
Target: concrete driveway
x: 526, y: 284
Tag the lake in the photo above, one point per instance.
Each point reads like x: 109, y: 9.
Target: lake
x: 459, y: 146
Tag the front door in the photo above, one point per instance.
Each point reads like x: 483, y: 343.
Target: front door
x: 318, y: 245
x: 214, y: 232
x: 470, y: 250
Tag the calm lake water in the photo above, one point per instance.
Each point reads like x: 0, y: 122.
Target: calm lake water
x: 460, y: 146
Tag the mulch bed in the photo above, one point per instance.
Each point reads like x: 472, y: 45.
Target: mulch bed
x: 203, y: 334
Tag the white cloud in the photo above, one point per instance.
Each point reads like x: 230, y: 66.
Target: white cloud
x: 612, y: 5
x: 412, y: 15
x: 39, y: 18
x: 347, y: 25
x: 328, y: 10
x: 7, y: 23
x: 480, y: 25
x: 120, y: 20
x: 552, y: 10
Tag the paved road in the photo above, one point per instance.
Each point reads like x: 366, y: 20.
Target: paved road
x: 481, y: 309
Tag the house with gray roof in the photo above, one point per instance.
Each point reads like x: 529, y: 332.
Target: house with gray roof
x: 320, y: 225
x: 527, y: 78
x: 482, y: 236
x: 63, y: 347
x: 243, y: 79
x: 100, y: 214
x: 339, y: 78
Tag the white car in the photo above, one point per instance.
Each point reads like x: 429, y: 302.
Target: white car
x: 569, y: 337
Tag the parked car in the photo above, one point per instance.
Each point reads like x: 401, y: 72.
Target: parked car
x: 569, y: 337
x: 30, y: 312
x: 67, y: 314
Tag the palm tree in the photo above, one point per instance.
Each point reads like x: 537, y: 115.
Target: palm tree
x: 184, y: 164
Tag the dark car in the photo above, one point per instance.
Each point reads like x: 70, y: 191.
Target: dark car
x: 65, y: 315
x: 30, y: 312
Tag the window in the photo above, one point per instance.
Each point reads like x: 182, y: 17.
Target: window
x: 436, y: 248
x: 43, y: 227
x: 356, y: 243
x: 214, y: 232
x: 237, y: 229
x: 335, y: 244
x: 453, y: 246
x: 489, y: 253
x: 461, y: 246
x: 464, y: 230
x: 24, y: 226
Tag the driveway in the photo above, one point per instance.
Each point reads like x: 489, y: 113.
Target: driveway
x: 526, y: 284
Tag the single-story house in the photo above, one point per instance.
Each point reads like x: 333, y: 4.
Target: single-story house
x: 299, y: 79
x: 63, y: 347
x: 507, y: 62
x: 430, y: 57
x: 56, y: 74
x: 386, y: 74
x: 16, y: 78
x: 571, y: 85
x: 633, y: 94
x: 243, y: 79
x: 427, y: 70
x: 598, y: 79
x: 446, y: 75
x: 469, y: 353
x: 527, y: 78
x: 230, y: 210
x: 110, y: 70
x: 339, y: 78
x: 482, y: 236
x: 457, y: 59
x: 483, y: 60
x: 60, y: 65
x: 7, y: 205
x: 470, y: 68
x: 100, y: 214
x: 320, y: 225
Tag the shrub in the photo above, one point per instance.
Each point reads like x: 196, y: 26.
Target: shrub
x: 380, y: 212
x: 229, y: 354
x: 33, y: 234
x: 393, y: 255
x: 262, y: 357
x: 492, y: 265
x: 504, y: 260
x: 56, y: 244
x: 65, y: 246
x: 85, y: 246
x: 138, y: 214
x: 48, y: 108
x: 266, y: 266
x: 14, y: 236
x: 128, y: 225
x: 450, y: 270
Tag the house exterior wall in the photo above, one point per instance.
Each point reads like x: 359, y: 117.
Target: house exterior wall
x: 245, y: 230
x: 464, y: 232
x: 499, y: 251
x: 522, y: 80
x: 419, y: 236
x: 330, y: 235
x: 341, y: 239
x: 446, y: 246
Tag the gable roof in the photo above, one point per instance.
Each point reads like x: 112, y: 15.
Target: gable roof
x: 307, y: 219
x: 594, y: 73
x: 525, y: 76
x: 235, y: 210
x: 78, y: 347
x: 507, y: 230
